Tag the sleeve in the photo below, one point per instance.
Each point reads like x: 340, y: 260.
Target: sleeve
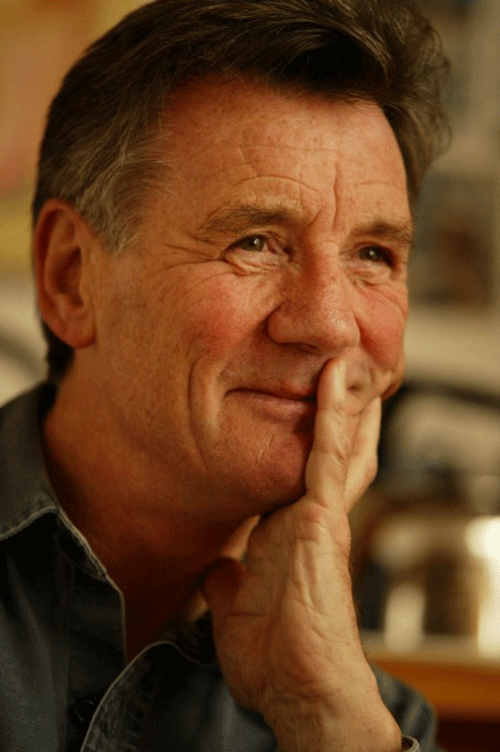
x: 411, y: 711
x: 410, y: 745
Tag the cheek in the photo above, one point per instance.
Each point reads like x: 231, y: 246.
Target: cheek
x: 224, y: 312
x: 381, y: 320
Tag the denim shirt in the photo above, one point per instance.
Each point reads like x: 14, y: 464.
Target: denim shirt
x: 65, y: 684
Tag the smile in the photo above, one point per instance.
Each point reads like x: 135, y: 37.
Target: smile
x: 279, y: 404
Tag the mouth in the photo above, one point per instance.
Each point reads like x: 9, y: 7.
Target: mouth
x: 281, y: 404
x: 306, y: 395
x: 287, y: 394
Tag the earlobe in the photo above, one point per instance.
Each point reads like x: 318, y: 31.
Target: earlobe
x: 62, y: 251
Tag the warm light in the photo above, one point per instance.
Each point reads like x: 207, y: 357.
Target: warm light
x: 404, y: 617
x: 483, y: 537
x: 483, y: 540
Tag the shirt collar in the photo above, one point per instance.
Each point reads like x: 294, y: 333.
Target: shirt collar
x: 25, y: 489
x: 26, y: 495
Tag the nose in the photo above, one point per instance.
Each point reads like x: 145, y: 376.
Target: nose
x: 316, y: 312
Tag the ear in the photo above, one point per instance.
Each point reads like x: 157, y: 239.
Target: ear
x: 63, y: 248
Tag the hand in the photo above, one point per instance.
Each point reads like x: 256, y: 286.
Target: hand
x: 284, y: 623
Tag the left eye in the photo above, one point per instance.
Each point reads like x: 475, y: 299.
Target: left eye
x: 377, y: 255
x: 251, y: 243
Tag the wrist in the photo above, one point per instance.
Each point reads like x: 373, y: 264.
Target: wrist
x: 309, y: 727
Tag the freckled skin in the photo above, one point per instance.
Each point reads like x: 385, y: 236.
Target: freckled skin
x: 230, y: 362
x: 202, y: 323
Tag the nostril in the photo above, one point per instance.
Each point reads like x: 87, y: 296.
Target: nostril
x: 313, y: 330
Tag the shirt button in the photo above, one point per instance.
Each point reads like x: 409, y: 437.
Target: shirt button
x: 81, y: 712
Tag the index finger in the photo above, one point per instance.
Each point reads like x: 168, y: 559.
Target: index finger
x: 363, y: 460
x: 326, y: 467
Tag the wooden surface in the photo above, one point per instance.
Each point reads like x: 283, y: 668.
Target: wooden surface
x: 463, y: 687
x: 456, y: 691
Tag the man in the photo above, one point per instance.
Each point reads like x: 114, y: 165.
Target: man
x: 222, y: 230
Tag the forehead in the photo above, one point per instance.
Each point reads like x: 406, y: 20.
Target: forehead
x: 226, y: 139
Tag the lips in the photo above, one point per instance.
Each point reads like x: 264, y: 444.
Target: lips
x: 283, y: 393
x: 293, y: 408
x: 303, y: 391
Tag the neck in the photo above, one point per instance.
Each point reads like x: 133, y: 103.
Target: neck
x: 137, y: 521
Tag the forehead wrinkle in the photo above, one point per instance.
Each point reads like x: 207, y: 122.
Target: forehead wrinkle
x: 400, y: 231
x: 320, y: 203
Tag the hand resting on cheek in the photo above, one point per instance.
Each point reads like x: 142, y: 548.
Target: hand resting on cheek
x: 284, y: 622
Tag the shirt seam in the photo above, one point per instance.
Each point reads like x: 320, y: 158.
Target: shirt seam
x: 43, y: 505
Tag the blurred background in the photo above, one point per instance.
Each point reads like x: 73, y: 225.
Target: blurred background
x: 426, y: 553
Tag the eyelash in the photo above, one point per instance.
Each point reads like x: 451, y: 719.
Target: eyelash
x: 386, y: 256
x: 248, y: 238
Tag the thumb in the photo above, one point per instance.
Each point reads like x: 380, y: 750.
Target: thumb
x: 220, y: 586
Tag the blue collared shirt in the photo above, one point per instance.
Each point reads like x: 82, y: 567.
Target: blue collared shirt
x: 65, y: 684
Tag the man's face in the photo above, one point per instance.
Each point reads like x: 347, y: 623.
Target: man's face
x: 280, y: 241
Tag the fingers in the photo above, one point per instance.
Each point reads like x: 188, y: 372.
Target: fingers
x: 220, y: 587
x: 330, y: 428
x: 236, y: 545
x: 363, y: 462
x: 331, y: 387
x: 342, y: 462
x: 327, y: 465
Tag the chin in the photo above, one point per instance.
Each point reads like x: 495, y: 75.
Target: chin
x: 280, y: 484
x: 261, y: 474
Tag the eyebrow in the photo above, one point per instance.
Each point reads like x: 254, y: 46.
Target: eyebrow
x: 400, y: 233
x: 237, y: 218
